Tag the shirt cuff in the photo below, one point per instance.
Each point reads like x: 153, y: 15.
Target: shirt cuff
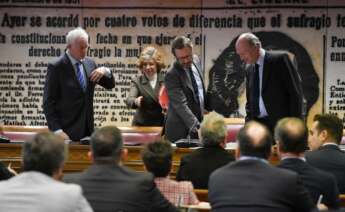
x: 107, y: 72
x: 58, y: 131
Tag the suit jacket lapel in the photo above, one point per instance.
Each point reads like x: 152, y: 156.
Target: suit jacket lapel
x: 71, y: 72
x: 147, y: 87
x: 198, y: 68
x: 184, y: 78
x: 160, y: 81
x: 266, y: 71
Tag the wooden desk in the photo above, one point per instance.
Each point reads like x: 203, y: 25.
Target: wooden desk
x: 78, y: 160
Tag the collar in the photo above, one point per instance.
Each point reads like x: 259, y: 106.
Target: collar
x: 329, y: 144
x: 293, y: 157
x: 261, y: 58
x: 153, y: 79
x: 252, y: 158
x: 72, y: 59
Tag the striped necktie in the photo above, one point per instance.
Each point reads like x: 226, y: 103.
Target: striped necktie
x: 80, y: 76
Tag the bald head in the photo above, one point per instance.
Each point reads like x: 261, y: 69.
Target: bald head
x: 291, y: 135
x: 248, y: 47
x: 255, y: 140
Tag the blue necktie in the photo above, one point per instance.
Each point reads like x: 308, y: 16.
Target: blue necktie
x: 256, y: 92
x: 80, y: 77
x: 194, y: 84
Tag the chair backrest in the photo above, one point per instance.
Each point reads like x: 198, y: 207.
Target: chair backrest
x: 342, y: 200
x: 202, y: 194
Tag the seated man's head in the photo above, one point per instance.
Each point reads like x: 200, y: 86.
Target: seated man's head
x: 44, y: 153
x: 254, y: 140
x: 106, y: 145
x: 157, y: 157
x: 291, y: 135
x: 326, y: 128
x: 213, y: 130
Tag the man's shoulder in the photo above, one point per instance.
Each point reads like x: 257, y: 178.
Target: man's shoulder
x: 72, y: 177
x: 59, y: 60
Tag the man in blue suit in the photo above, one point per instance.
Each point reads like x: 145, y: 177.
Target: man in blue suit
x: 69, y: 89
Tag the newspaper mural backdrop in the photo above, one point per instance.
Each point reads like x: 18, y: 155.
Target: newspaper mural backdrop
x: 32, y: 33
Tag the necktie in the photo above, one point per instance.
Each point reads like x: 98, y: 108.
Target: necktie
x: 80, y: 77
x: 195, y: 86
x: 256, y: 91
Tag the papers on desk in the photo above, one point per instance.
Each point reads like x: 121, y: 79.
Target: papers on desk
x: 202, y: 206
x: 231, y: 146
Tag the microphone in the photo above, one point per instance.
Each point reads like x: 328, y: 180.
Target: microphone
x: 188, y: 141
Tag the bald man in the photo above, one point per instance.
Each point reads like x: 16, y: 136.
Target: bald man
x: 251, y: 183
x: 273, y: 86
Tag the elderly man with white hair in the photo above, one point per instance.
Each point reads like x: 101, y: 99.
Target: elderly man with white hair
x: 69, y: 89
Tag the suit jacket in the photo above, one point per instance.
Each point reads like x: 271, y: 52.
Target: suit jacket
x: 36, y: 192
x: 111, y: 188
x: 4, y: 172
x: 248, y: 185
x: 317, y: 182
x: 199, y: 164
x: 65, y: 105
x: 184, y: 112
x: 150, y: 112
x: 330, y: 159
x: 281, y: 88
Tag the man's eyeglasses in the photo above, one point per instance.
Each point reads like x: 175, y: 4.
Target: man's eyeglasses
x: 187, y: 57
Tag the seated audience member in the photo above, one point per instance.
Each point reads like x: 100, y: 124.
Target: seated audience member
x: 291, y: 136
x: 37, y: 189
x: 251, y: 183
x: 108, y: 186
x: 5, y: 172
x: 157, y: 157
x: 324, y: 137
x: 143, y: 94
x: 198, y: 165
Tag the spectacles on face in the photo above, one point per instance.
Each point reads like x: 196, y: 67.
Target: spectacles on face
x: 184, y: 58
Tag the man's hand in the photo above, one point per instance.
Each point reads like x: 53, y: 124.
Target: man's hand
x: 138, y: 101
x: 63, y: 135
x: 11, y: 170
x: 97, y: 74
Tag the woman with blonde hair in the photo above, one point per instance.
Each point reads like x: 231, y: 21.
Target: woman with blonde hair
x: 143, y: 94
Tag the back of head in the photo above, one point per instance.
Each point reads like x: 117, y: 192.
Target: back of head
x: 44, y: 153
x: 291, y: 134
x: 106, y: 145
x: 332, y: 124
x: 254, y: 140
x: 180, y: 42
x: 157, y: 157
x: 213, y: 129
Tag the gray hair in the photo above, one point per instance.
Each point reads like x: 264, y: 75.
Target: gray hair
x: 213, y: 129
x: 181, y: 42
x: 251, y: 39
x: 75, y: 34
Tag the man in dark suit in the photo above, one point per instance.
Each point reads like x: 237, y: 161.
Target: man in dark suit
x: 273, y: 86
x: 198, y: 165
x: 186, y: 92
x: 110, y: 187
x: 251, y: 183
x: 69, y: 89
x: 291, y: 135
x: 324, y: 137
